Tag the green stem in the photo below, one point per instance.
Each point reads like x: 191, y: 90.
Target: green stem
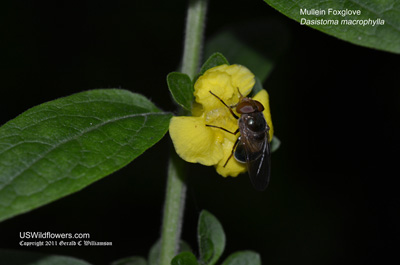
x: 194, y: 37
x: 173, y: 210
x: 176, y: 188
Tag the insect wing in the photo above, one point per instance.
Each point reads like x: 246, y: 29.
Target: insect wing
x: 259, y: 165
x: 254, y: 149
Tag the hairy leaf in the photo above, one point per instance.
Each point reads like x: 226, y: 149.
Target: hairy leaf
x: 211, y: 238
x: 154, y: 253
x: 243, y: 258
x: 384, y: 37
x: 214, y: 60
x: 184, y: 258
x: 61, y: 146
x: 130, y: 261
x: 181, y: 89
x: 275, y: 144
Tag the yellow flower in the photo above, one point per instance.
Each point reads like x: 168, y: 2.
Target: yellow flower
x: 197, y: 143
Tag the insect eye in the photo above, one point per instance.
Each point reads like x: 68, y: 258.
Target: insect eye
x: 259, y: 106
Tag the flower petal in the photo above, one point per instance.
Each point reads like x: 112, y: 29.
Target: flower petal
x: 263, y: 98
x: 194, y: 142
x: 242, y: 78
x: 223, y: 81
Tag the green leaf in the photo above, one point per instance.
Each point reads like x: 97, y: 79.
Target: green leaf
x: 15, y: 257
x: 184, y: 258
x: 184, y: 247
x: 211, y: 238
x: 214, y: 60
x: 384, y: 37
x: 62, y: 146
x: 275, y: 144
x: 130, y: 261
x: 181, y: 89
x: 243, y: 258
x: 255, y: 44
x: 257, y: 87
x: 154, y: 253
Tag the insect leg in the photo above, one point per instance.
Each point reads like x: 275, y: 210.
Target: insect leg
x: 234, y: 115
x: 241, y: 96
x: 234, y: 133
x: 233, y: 150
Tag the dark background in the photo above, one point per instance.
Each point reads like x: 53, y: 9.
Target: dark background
x: 333, y: 196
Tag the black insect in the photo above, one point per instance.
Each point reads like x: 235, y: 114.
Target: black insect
x: 252, y: 146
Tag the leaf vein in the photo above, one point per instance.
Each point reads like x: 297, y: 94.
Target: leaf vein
x: 87, y: 130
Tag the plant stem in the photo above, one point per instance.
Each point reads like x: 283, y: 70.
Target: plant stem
x: 194, y: 37
x: 176, y: 187
x: 173, y: 210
